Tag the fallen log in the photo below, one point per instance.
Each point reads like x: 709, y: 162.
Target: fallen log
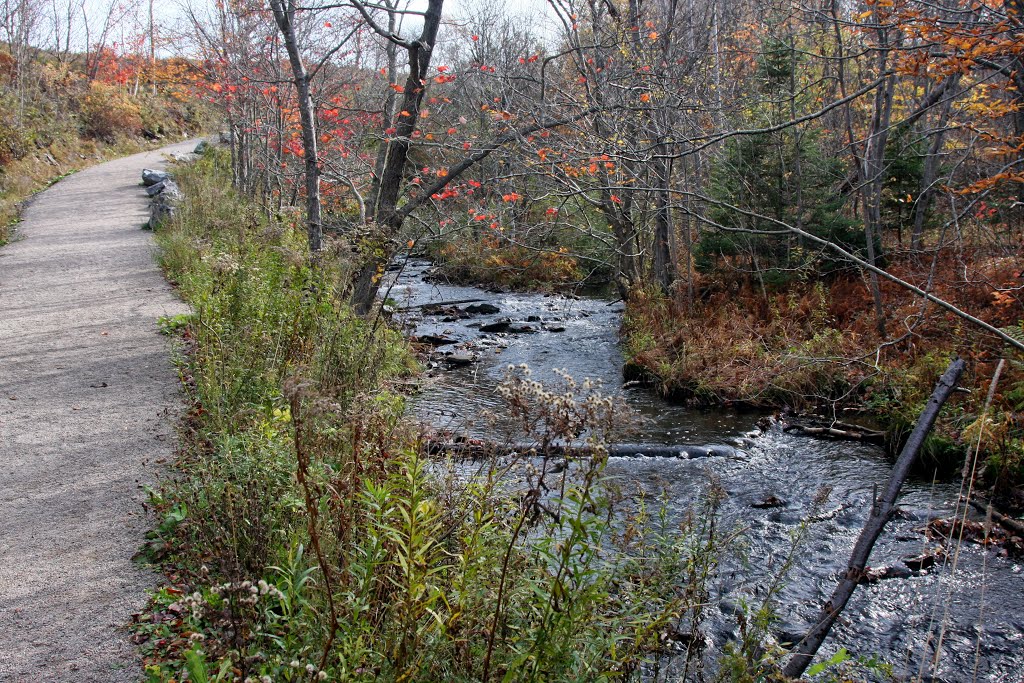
x: 479, y: 449
x: 881, y: 512
x: 1008, y: 523
x: 440, y: 304
x: 834, y: 429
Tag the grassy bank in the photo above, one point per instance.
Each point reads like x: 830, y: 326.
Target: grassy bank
x: 304, y: 538
x: 815, y: 347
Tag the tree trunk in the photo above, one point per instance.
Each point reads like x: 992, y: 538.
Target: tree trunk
x: 874, y: 177
x: 881, y: 512
x: 664, y: 237
x: 284, y: 15
x: 386, y: 190
x: 930, y: 173
x: 152, y: 48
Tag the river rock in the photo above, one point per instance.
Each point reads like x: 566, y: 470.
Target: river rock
x: 435, y: 340
x: 533, y: 318
x: 152, y: 177
x: 452, y: 312
x: 769, y: 502
x: 730, y: 608
x: 789, y: 633
x: 552, y: 327
x: 874, y: 575
x: 521, y: 329
x: 460, y: 358
x: 482, y: 309
x: 925, y: 560
x: 497, y: 326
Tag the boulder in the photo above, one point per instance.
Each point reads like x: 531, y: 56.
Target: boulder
x: 554, y: 328
x: 435, y: 340
x: 171, y: 191
x: 789, y: 633
x: 460, y: 358
x: 925, y: 560
x: 497, y: 326
x: 769, y: 502
x: 482, y: 309
x: 154, y: 190
x: 202, y: 148
x: 151, y: 177
x: 165, y: 203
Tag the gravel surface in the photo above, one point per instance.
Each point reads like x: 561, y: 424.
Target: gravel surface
x: 88, y: 402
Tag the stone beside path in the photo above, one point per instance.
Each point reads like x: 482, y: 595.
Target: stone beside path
x: 88, y: 403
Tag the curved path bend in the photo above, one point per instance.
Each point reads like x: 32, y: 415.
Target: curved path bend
x: 88, y: 400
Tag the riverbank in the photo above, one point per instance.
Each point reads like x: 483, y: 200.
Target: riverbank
x: 816, y: 348
x: 305, y: 536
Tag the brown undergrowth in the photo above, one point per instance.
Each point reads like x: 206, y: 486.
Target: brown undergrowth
x: 816, y: 346
x: 493, y: 262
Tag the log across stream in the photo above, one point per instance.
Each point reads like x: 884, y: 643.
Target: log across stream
x: 476, y: 448
x: 770, y: 479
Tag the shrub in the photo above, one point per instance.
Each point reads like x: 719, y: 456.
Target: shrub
x: 107, y: 113
x: 13, y: 138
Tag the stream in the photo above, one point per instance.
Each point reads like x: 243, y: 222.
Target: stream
x: 981, y: 604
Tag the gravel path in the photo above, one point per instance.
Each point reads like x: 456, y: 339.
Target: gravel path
x: 88, y: 400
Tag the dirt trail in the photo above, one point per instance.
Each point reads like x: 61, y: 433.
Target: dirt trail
x: 87, y: 405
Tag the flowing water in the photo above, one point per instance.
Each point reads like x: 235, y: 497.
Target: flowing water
x: 978, y: 608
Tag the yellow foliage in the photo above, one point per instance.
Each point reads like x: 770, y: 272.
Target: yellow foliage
x: 107, y: 113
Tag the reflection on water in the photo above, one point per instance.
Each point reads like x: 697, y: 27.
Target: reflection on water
x: 981, y: 606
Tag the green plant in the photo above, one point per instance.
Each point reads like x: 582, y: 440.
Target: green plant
x: 172, y: 324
